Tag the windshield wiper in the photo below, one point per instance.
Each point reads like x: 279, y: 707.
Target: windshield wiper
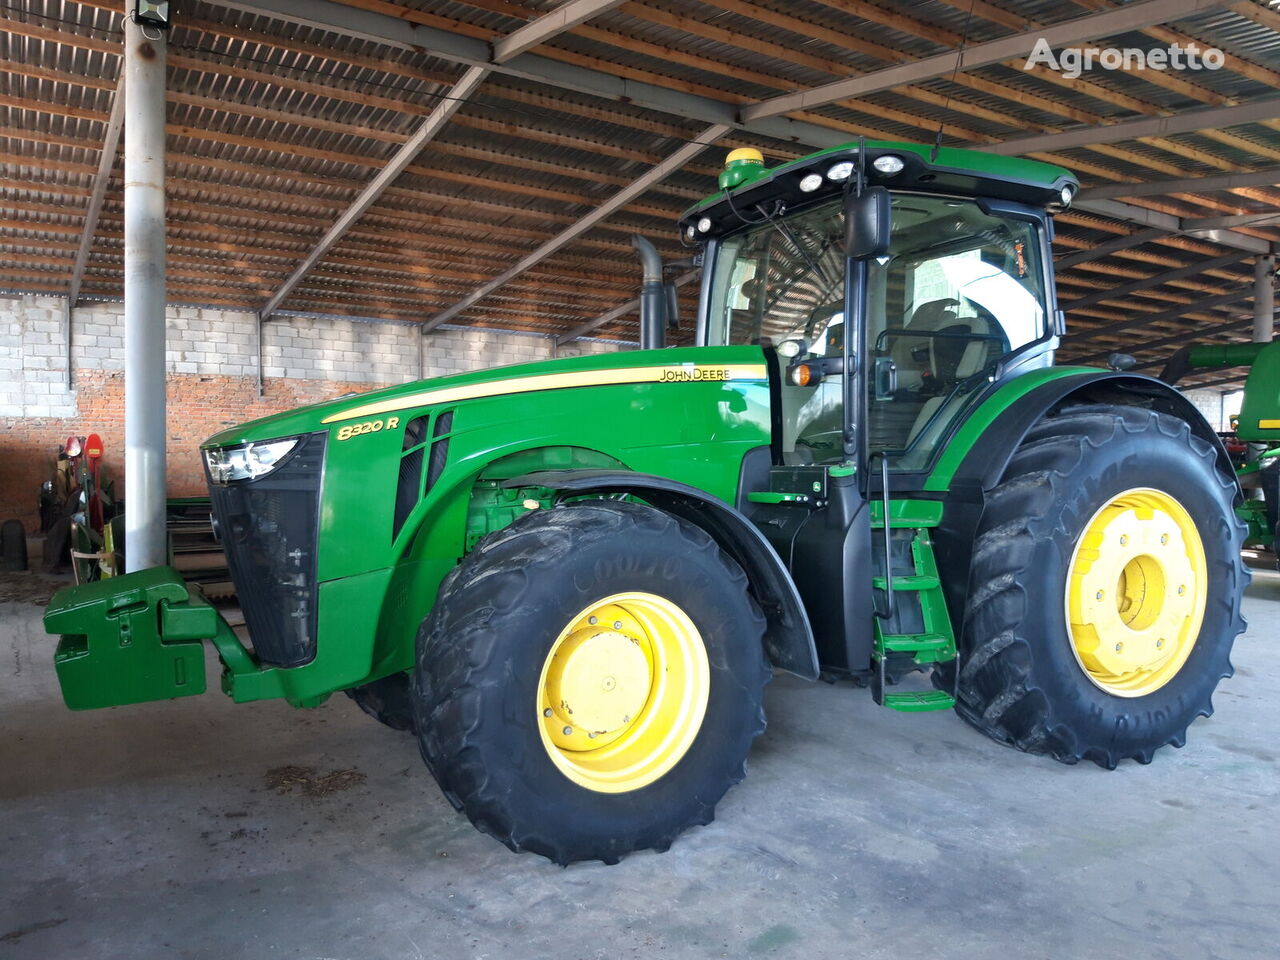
x: 785, y: 229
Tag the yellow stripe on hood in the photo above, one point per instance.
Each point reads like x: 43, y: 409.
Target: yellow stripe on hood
x: 667, y: 373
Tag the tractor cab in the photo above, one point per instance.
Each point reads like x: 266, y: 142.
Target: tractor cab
x: 893, y: 289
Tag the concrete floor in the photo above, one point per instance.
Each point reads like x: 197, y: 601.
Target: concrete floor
x: 152, y: 831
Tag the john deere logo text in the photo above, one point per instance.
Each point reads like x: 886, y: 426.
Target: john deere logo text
x: 697, y: 373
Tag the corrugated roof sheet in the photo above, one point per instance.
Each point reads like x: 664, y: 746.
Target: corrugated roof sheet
x: 275, y: 127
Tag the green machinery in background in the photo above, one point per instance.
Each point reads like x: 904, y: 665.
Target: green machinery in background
x: 1257, y: 428
x: 572, y: 579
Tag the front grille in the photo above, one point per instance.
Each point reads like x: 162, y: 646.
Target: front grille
x: 269, y: 528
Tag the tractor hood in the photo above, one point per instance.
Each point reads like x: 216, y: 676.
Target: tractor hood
x: 632, y: 366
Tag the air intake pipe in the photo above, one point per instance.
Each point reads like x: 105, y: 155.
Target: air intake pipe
x: 653, y: 296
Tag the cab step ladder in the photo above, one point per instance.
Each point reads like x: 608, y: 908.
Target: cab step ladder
x: 935, y: 643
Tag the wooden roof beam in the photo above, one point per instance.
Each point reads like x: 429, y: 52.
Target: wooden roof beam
x: 1208, y: 303
x: 563, y: 18
x: 1187, y: 121
x: 621, y: 310
x: 1125, y: 290
x: 1268, y: 176
x: 620, y: 199
x: 445, y: 108
x: 1111, y: 22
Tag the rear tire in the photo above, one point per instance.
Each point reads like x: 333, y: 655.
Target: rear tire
x: 1023, y: 679
x: 480, y: 689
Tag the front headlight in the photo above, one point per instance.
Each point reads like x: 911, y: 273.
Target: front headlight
x: 247, y: 461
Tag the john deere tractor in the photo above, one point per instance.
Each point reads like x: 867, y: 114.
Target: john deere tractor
x: 571, y: 580
x: 1256, y: 432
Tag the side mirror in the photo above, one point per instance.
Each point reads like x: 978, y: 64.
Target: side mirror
x: 867, y: 224
x: 672, y: 305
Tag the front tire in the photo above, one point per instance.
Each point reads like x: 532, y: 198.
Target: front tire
x: 386, y: 700
x: 590, y: 681
x: 1105, y: 589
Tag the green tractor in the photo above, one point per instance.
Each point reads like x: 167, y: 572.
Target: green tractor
x: 571, y: 580
x: 1256, y: 433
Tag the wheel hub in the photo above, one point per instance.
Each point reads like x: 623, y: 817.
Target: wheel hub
x: 623, y: 692
x: 598, y: 681
x: 1136, y: 592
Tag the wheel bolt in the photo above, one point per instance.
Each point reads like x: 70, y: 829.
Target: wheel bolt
x: 591, y: 736
x: 617, y: 624
x: 546, y: 712
x: 1159, y: 642
x: 1123, y: 540
x: 1164, y: 539
x: 1099, y: 594
x: 1181, y: 590
x: 593, y: 620
x: 1119, y: 647
x: 568, y: 731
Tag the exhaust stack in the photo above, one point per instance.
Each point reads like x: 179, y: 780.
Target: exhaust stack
x: 653, y: 296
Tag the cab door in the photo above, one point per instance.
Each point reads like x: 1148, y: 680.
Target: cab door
x: 961, y: 292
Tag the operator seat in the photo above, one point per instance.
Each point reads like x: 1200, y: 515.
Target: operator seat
x: 916, y: 360
x: 956, y: 359
x: 914, y: 356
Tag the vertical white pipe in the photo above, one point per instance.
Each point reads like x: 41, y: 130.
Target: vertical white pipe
x: 144, y: 296
x: 1264, y: 299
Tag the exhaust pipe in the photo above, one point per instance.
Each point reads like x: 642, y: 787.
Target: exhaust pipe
x: 653, y: 296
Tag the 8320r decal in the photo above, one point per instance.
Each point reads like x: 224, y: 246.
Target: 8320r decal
x: 369, y: 426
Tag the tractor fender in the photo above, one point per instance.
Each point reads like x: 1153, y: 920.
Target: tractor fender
x: 986, y: 461
x: 788, y: 636
x: 984, y: 464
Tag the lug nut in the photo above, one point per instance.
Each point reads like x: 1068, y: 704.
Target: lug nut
x: 617, y: 624
x: 1099, y: 594
x: 1123, y: 540
x: 1164, y: 539
x: 1159, y: 642
x: 1119, y: 647
x: 591, y: 736
x: 546, y: 712
x: 1181, y: 590
x: 593, y: 620
x: 568, y: 731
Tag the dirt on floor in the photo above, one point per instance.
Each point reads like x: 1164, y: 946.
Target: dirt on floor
x: 284, y: 779
x: 27, y: 587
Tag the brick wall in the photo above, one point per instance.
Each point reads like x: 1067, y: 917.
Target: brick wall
x: 212, y: 378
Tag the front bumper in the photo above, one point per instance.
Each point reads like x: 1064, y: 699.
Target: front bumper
x: 139, y: 637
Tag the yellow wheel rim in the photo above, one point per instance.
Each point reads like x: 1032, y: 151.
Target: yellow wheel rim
x: 1136, y: 591
x: 623, y: 692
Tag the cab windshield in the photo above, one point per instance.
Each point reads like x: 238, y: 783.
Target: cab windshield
x: 958, y: 291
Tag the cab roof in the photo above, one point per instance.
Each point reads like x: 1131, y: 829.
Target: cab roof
x: 945, y: 170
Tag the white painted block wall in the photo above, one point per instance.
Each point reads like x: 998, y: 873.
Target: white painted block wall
x: 220, y: 342
x: 33, y: 369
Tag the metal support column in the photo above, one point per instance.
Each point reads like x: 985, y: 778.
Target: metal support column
x: 144, y: 295
x: 67, y: 318
x: 258, y: 321
x: 1264, y: 299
